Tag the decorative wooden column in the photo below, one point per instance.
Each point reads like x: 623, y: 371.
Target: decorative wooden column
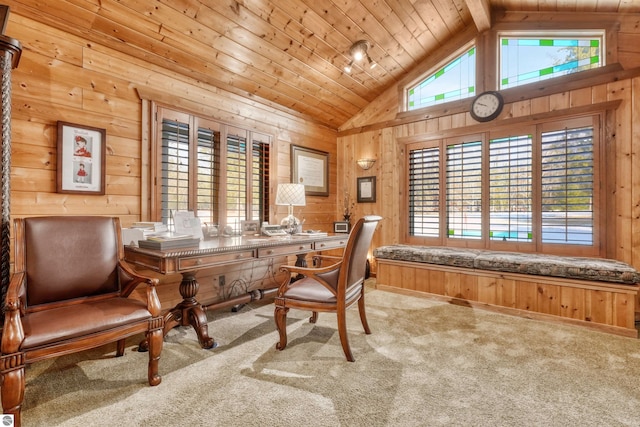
x: 10, y: 50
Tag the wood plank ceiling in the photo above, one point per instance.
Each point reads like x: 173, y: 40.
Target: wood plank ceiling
x: 288, y: 53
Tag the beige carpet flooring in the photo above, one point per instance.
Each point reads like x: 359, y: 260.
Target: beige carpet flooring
x: 427, y: 363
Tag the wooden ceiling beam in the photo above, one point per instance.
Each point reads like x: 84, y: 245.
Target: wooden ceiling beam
x: 481, y: 13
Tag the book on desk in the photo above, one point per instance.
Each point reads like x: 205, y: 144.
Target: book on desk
x: 168, y: 240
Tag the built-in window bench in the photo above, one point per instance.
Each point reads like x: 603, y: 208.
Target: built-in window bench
x: 594, y: 292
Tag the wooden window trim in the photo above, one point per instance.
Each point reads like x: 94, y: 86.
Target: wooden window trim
x: 538, y: 126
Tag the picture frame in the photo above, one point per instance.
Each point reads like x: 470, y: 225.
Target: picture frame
x: 4, y: 18
x: 81, y: 159
x: 367, y: 189
x: 311, y: 168
x: 250, y: 227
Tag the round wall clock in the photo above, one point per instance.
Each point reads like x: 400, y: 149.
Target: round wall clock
x: 487, y: 106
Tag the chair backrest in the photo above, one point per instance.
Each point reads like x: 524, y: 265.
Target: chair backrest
x: 355, y: 253
x: 67, y: 257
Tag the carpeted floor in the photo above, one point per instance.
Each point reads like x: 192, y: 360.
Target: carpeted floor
x: 427, y: 363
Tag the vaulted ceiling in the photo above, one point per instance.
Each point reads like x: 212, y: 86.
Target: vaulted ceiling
x: 288, y: 53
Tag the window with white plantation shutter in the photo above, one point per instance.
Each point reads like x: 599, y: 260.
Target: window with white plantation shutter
x: 528, y: 187
x: 193, y: 175
x: 510, y: 188
x: 260, y: 180
x: 568, y: 186
x: 464, y: 190
x: 175, y: 168
x: 236, y: 179
x: 208, y: 175
x: 424, y: 192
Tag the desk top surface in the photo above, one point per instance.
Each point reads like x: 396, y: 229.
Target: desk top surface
x: 221, y: 245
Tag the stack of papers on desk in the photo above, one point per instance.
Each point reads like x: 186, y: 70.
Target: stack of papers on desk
x: 150, y: 226
x: 168, y: 240
x: 312, y: 233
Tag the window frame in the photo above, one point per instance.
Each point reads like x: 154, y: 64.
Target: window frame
x: 458, y: 53
x: 600, y: 33
x: 487, y: 61
x: 599, y: 210
x: 220, y: 216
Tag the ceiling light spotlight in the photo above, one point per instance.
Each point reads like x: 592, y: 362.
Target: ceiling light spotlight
x: 358, y: 51
x: 347, y: 68
x: 372, y: 64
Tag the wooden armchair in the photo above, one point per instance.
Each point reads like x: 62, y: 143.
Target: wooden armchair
x: 69, y: 293
x: 333, y: 288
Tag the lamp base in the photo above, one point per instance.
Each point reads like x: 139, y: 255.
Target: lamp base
x: 291, y: 224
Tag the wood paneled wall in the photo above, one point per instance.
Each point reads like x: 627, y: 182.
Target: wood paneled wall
x: 61, y: 77
x: 374, y: 133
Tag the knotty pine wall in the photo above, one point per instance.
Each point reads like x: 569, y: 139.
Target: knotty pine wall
x: 64, y: 78
x: 373, y: 133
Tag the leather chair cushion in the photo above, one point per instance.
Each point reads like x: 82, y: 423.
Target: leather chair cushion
x: 308, y: 289
x: 58, y: 324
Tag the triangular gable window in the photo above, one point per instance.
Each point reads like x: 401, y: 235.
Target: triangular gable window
x: 456, y: 80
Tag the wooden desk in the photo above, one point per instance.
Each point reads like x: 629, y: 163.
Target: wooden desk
x: 214, y: 253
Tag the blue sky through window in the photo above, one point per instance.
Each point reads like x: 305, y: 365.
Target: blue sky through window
x: 530, y: 59
x: 454, y: 81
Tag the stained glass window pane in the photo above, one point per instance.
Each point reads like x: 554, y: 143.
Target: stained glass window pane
x: 530, y: 59
x: 454, y: 81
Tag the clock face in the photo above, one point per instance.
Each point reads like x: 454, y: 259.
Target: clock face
x: 486, y: 106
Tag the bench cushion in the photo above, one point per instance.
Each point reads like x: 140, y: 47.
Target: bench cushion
x: 582, y: 268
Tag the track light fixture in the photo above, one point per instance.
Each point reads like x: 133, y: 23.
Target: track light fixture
x: 358, y: 51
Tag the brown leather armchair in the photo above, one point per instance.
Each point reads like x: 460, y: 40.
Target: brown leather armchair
x: 70, y: 292
x: 333, y: 288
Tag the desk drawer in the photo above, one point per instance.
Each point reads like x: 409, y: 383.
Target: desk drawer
x: 284, y: 250
x: 330, y: 244
x: 212, y: 260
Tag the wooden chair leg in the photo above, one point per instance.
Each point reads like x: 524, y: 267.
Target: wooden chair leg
x: 344, y: 339
x: 155, y: 339
x: 12, y: 389
x: 314, y: 317
x: 363, y: 315
x: 120, y: 348
x: 280, y: 316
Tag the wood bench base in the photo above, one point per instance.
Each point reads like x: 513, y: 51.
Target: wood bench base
x: 607, y: 307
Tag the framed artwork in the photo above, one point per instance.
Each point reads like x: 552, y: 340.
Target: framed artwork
x: 250, y: 227
x: 311, y: 168
x: 81, y: 159
x: 367, y: 189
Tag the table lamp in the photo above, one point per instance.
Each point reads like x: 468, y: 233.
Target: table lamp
x: 290, y: 195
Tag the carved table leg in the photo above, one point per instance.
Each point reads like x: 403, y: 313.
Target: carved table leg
x: 188, y: 312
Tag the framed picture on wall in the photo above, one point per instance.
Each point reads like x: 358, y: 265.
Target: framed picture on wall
x: 81, y: 159
x: 367, y: 189
x: 311, y: 168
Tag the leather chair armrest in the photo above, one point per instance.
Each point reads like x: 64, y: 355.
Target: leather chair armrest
x: 131, y: 279
x: 15, y: 298
x: 12, y: 332
x: 308, y: 272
